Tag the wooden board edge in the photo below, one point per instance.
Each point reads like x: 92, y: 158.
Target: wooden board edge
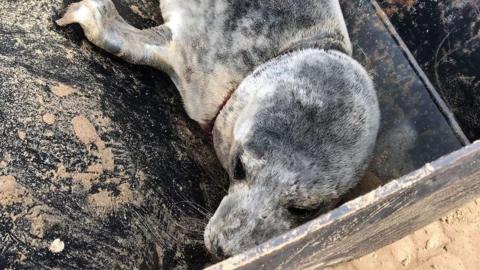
x: 277, y: 252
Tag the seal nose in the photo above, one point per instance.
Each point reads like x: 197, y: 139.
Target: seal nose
x: 220, y: 252
x: 212, y: 242
x: 213, y: 245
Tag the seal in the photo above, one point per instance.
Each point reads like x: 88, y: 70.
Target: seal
x: 294, y: 117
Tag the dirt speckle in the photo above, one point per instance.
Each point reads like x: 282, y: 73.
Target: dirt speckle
x: 104, y: 202
x: 128, y: 196
x: 100, y: 144
x: 48, y: 118
x: 22, y: 257
x: 108, y: 161
x: 40, y: 220
x: 396, y: 5
x: 12, y: 192
x: 438, y: 239
x: 6, y: 160
x: 57, y: 246
x: 84, y: 130
x: 22, y: 134
x: 406, y: 261
x: 62, y: 90
x: 61, y: 173
x: 137, y: 11
x: 96, y: 168
x: 85, y: 180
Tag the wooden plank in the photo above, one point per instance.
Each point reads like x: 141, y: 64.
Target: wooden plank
x: 373, y: 220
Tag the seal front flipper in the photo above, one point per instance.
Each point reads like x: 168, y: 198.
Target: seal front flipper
x: 105, y: 28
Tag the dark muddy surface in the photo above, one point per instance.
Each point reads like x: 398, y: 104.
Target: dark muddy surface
x: 444, y: 37
x: 96, y: 153
x: 100, y: 168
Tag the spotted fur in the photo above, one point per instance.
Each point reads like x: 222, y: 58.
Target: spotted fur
x: 301, y: 116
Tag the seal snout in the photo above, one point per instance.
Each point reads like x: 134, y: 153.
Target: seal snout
x: 215, y: 248
x: 212, y: 238
x: 244, y: 218
x: 223, y: 228
x: 215, y: 240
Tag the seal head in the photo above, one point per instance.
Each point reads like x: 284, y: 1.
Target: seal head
x: 295, y: 136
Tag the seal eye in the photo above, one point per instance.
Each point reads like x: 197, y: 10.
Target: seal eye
x: 302, y: 215
x: 301, y: 212
x: 238, y: 170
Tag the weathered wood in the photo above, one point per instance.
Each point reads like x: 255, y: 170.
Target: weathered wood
x: 373, y: 220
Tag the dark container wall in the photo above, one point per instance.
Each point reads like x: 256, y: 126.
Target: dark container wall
x: 413, y: 130
x: 444, y: 37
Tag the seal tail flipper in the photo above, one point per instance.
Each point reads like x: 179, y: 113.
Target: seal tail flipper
x: 105, y: 28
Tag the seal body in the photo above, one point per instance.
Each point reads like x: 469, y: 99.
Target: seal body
x: 294, y: 117
x: 209, y: 46
x: 216, y: 44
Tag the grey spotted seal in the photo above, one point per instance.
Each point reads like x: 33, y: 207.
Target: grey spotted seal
x: 294, y: 116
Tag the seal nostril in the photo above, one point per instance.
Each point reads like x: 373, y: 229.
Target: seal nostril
x: 238, y: 169
x: 220, y: 252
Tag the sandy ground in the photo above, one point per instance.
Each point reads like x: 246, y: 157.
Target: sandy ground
x: 451, y: 243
